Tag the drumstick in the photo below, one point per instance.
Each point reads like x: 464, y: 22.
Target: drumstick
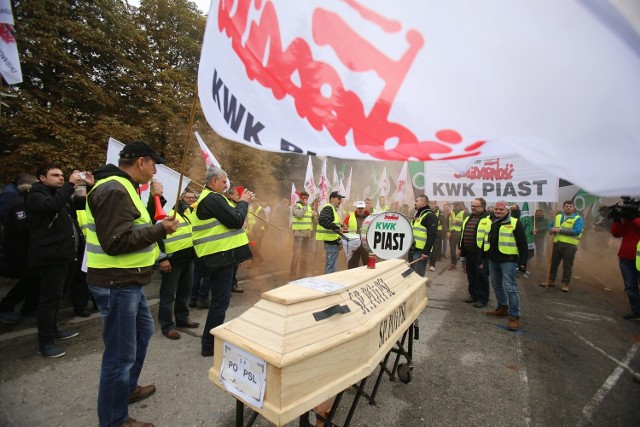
x: 415, y: 260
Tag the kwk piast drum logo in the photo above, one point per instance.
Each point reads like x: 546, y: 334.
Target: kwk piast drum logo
x: 319, y: 78
x: 388, y: 235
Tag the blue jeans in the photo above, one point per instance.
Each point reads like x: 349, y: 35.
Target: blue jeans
x: 419, y: 267
x: 127, y: 327
x: 220, y: 280
x: 631, y: 279
x: 503, y: 280
x: 332, y: 257
x: 174, y: 294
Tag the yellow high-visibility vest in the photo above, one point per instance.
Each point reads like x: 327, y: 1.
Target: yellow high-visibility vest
x: 506, y: 239
x: 484, y: 226
x: 325, y: 234
x: 210, y: 236
x: 455, y: 221
x: 82, y: 221
x: 304, y: 223
x: 638, y: 256
x: 566, y: 225
x: 181, y: 239
x: 97, y: 258
x: 420, y: 231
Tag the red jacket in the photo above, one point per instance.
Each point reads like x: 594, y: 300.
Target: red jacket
x: 629, y: 230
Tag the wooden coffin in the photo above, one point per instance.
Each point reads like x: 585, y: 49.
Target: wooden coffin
x: 307, y: 361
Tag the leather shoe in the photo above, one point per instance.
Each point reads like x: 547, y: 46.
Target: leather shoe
x: 133, y: 423
x: 470, y: 300
x: 141, y: 393
x: 237, y: 289
x: 188, y: 324
x: 207, y: 352
x: 172, y: 334
x: 480, y: 304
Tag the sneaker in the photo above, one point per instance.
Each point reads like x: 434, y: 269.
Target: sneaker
x: 452, y: 267
x: 65, y: 335
x: 141, y: 393
x: 432, y: 268
x: 470, y: 300
x: 632, y: 316
x: 547, y: 285
x: 237, y: 289
x: 480, y: 304
x: 207, y: 352
x: 9, y: 318
x: 51, y: 351
x: 82, y: 313
x: 565, y: 288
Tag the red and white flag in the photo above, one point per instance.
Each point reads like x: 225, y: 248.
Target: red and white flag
x: 309, y: 183
x: 324, y: 184
x: 209, y: 158
x: 9, y: 60
x: 383, y: 184
x: 381, y: 80
x: 404, y: 190
x: 207, y: 155
x: 295, y: 196
x: 335, y: 183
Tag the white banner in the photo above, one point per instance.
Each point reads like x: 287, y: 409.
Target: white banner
x: 429, y: 80
x: 167, y: 176
x: 509, y: 178
x: 9, y: 61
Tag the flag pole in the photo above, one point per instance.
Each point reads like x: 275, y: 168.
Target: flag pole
x: 186, y: 148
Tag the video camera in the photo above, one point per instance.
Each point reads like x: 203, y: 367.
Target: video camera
x: 627, y: 208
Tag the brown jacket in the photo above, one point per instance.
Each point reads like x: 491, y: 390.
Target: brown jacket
x: 114, y: 213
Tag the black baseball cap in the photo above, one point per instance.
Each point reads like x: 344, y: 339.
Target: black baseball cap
x: 140, y: 149
x: 336, y: 194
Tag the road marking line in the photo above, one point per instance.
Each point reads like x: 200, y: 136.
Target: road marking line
x: 525, y: 379
x: 610, y: 382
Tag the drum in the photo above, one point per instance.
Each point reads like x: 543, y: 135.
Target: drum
x: 388, y: 235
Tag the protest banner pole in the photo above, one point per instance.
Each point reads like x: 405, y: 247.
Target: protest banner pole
x: 186, y: 148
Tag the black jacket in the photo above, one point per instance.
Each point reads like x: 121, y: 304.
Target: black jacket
x: 55, y: 236
x: 430, y: 222
x: 16, y: 234
x: 494, y: 253
x: 215, y: 206
x: 325, y: 219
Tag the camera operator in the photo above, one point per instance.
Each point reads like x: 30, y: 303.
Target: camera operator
x: 626, y: 224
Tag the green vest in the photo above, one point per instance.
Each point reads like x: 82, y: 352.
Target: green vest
x: 97, y: 258
x: 251, y: 219
x: 328, y: 235
x: 420, y: 231
x: 455, y: 221
x: 181, y: 239
x: 638, y: 256
x: 506, y: 239
x: 304, y: 223
x: 484, y: 226
x: 566, y: 225
x: 210, y: 236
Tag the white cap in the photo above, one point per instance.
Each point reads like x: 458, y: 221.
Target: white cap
x: 360, y: 204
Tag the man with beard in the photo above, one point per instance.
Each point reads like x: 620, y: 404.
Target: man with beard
x: 474, y: 230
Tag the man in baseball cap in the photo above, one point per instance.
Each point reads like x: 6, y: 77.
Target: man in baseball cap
x: 140, y: 149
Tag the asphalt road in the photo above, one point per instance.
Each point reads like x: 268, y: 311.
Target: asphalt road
x: 571, y: 364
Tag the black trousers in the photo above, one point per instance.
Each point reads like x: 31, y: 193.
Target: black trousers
x: 478, y: 278
x: 54, y: 280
